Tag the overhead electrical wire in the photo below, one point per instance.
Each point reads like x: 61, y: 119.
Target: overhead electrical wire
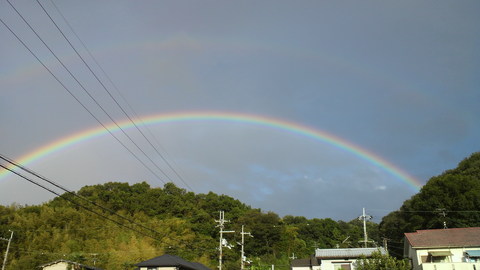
x: 67, y: 191
x: 17, y: 165
x: 108, y: 77
x: 77, y: 204
x: 105, y: 88
x: 68, y: 90
x: 87, y: 92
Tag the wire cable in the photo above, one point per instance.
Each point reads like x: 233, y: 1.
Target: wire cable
x: 71, y: 93
x: 110, y: 94
x: 86, y: 91
x: 73, y: 193
x: 75, y: 203
x: 68, y: 90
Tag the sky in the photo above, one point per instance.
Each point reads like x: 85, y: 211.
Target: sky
x: 304, y: 108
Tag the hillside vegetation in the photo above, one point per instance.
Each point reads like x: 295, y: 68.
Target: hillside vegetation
x: 165, y: 220
x: 138, y: 222
x: 452, y: 197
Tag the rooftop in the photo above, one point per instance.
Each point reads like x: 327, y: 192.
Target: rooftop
x: 174, y: 261
x: 346, y: 252
x: 456, y: 237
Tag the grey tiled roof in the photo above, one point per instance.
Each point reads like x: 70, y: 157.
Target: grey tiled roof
x: 344, y: 253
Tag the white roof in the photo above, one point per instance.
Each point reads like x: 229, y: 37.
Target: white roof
x: 347, y: 252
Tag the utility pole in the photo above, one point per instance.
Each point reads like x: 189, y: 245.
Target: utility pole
x: 221, y: 224
x: 243, y: 258
x: 385, y: 244
x: 94, y: 257
x: 364, y: 217
x: 8, y: 247
x: 443, y: 214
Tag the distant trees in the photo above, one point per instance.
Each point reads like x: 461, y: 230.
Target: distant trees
x: 184, y: 224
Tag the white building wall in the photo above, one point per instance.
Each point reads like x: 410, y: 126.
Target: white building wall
x: 308, y: 268
x: 457, y: 259
x: 330, y: 264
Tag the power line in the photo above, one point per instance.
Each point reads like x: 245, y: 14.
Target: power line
x: 73, y: 193
x: 90, y: 112
x: 87, y: 92
x: 110, y: 94
x: 68, y: 90
x: 77, y: 204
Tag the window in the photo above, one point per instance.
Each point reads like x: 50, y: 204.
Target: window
x: 440, y: 259
x: 439, y: 256
x: 341, y: 266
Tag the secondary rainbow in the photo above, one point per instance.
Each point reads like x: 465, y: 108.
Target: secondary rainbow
x: 268, y: 122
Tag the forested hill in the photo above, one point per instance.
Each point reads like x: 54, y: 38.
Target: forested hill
x: 136, y: 222
x: 115, y: 225
x: 452, y: 197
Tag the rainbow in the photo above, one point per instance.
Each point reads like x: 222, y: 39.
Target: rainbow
x: 269, y: 122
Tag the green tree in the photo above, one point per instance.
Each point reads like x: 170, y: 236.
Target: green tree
x: 455, y: 192
x: 380, y: 261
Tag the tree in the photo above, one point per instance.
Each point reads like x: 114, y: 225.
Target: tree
x: 380, y: 261
x: 456, y: 193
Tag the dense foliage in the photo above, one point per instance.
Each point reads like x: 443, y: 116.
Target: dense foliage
x: 380, y: 261
x: 452, y: 197
x: 166, y: 220
x: 174, y: 221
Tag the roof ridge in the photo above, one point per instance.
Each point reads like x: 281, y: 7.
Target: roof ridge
x: 443, y: 229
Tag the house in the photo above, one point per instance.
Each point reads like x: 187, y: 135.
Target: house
x: 170, y: 262
x: 66, y: 265
x: 334, y: 259
x: 343, y: 258
x: 311, y: 263
x: 438, y: 249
